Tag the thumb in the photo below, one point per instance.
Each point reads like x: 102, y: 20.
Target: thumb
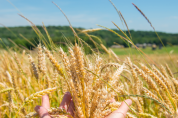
x: 121, y: 112
x: 43, y: 113
x: 125, y: 107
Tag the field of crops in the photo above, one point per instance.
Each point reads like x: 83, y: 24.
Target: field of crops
x: 164, y: 51
x: 149, y: 78
x: 93, y: 80
x: 167, y: 55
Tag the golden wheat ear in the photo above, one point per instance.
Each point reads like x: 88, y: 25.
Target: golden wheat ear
x: 137, y: 81
x: 35, y: 71
x: 41, y: 60
x: 54, y: 62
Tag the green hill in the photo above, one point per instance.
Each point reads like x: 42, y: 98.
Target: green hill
x: 57, y: 34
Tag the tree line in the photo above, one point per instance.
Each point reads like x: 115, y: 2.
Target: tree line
x: 61, y: 34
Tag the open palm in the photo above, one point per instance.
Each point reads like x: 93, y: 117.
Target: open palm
x: 68, y: 105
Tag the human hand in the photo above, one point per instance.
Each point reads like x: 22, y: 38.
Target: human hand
x: 121, y: 111
x: 67, y: 104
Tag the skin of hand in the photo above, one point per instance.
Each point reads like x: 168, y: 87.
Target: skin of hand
x: 68, y: 105
x: 121, y: 111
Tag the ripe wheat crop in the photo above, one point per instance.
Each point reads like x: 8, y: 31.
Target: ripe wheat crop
x: 93, y: 80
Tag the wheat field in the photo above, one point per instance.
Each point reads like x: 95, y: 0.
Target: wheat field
x: 150, y: 81
x: 93, y: 80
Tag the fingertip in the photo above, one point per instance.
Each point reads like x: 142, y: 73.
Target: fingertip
x: 122, y: 110
x: 42, y: 112
x: 45, y: 96
x: 66, y: 101
x: 45, y: 101
x: 128, y: 101
x: 67, y: 94
x: 125, y: 106
x: 112, y: 100
x: 37, y: 108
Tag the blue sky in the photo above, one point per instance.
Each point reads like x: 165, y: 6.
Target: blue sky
x: 87, y: 13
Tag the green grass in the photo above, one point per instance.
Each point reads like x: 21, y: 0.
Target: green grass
x: 148, y: 50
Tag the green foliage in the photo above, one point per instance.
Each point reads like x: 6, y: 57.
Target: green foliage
x: 58, y: 33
